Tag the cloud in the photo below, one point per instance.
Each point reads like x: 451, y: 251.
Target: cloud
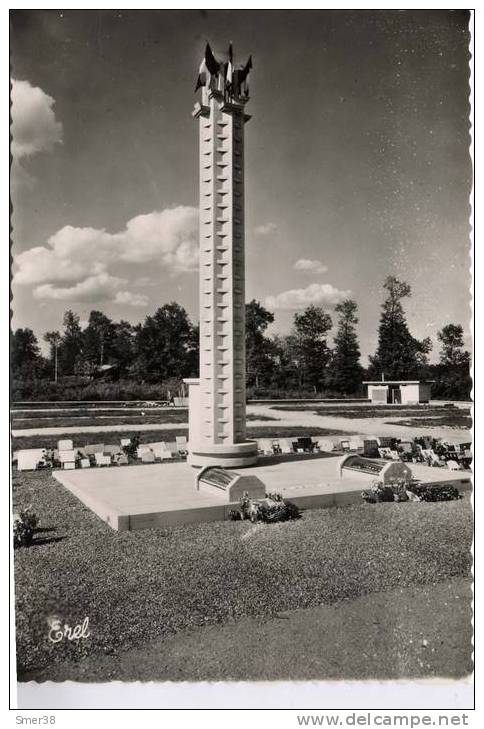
x: 74, y: 259
x: 130, y: 299
x: 93, y: 289
x: 312, y: 267
x: 34, y: 126
x: 265, y: 229
x: 316, y: 294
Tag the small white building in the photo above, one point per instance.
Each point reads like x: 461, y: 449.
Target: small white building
x: 399, y: 392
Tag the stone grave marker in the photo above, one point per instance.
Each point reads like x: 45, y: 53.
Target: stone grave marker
x: 65, y: 445
x: 29, y: 458
x: 229, y: 485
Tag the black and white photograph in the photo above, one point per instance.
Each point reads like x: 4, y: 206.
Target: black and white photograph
x: 241, y: 346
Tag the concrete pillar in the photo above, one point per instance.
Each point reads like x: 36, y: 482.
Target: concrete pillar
x: 217, y: 403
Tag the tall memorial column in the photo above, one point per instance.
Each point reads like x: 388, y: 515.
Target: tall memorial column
x: 217, y: 429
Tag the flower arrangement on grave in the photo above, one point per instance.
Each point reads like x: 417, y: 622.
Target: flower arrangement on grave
x: 273, y: 508
x: 131, y: 450
x: 401, y: 490
x: 24, y: 524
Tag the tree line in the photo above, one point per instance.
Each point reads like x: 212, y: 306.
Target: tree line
x: 164, y: 349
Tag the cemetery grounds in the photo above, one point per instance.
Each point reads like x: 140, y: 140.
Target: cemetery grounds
x: 366, y: 591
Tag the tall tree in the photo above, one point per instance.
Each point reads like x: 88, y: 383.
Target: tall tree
x: 164, y: 344
x: 311, y: 329
x: 399, y: 355
x: 259, y: 349
x: 122, y: 346
x: 98, y: 339
x: 70, y: 351
x: 452, y: 373
x: 451, y: 338
x: 25, y: 359
x: 345, y: 372
x: 54, y: 339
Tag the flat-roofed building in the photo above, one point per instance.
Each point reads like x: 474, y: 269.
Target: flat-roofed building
x: 399, y: 392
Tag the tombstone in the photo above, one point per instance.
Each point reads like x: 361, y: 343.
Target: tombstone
x: 326, y: 445
x: 144, y: 448
x: 356, y: 443
x: 181, y: 444
x: 453, y: 465
x: 125, y: 442
x: 85, y: 463
x: 69, y: 466
x: 229, y: 485
x: 265, y: 446
x: 121, y: 459
x: 111, y: 449
x: 355, y: 466
x: 29, y: 458
x: 67, y: 456
x: 284, y: 445
x: 370, y: 447
x: 148, y: 457
x: 160, y: 450
x: 102, y: 460
x: 65, y: 445
x: 305, y: 443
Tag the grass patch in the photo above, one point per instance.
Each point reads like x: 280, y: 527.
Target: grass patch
x: 150, y: 436
x: 376, y: 412
x: 64, y: 421
x: 139, y: 586
x: 168, y: 417
x: 448, y: 421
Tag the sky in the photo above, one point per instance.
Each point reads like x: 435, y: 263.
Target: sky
x: 357, y: 162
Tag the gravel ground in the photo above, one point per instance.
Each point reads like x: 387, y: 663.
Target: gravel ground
x: 145, y: 586
x: 413, y: 632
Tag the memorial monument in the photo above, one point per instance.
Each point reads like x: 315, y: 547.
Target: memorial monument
x: 217, y: 430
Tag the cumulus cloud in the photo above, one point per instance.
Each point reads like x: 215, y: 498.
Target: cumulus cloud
x: 34, y: 126
x: 130, y: 299
x: 306, y: 265
x: 93, y: 289
x: 74, y: 259
x: 316, y: 294
x: 265, y: 229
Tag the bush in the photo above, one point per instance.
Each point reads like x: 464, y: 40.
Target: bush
x: 80, y: 389
x: 436, y: 492
x: 24, y: 525
x: 404, y: 492
x: 276, y: 393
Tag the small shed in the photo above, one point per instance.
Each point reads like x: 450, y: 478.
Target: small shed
x: 399, y: 392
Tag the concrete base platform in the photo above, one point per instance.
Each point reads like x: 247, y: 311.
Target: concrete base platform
x: 228, y: 455
x: 163, y: 495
